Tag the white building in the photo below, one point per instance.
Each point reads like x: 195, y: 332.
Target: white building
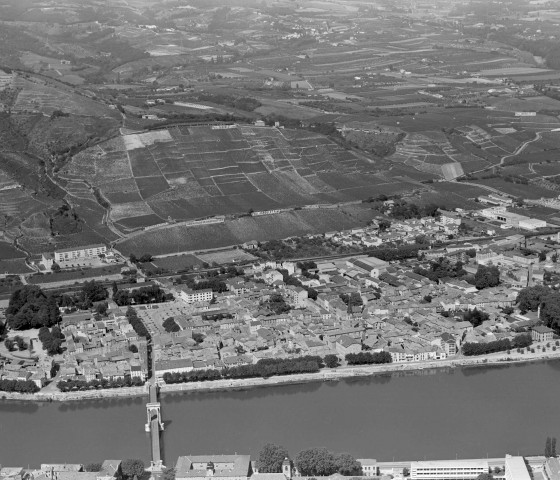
x: 516, y: 469
x: 448, y: 469
x: 194, y: 296
x: 69, y: 254
x: 512, y: 219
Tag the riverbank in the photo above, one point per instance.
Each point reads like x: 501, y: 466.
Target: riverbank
x: 323, y: 375
x: 341, y: 373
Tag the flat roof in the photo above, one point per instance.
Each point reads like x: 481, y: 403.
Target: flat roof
x: 517, y: 468
x: 450, y: 463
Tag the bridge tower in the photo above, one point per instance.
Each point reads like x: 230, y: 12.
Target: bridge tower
x: 153, y: 412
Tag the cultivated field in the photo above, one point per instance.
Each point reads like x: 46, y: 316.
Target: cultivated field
x: 183, y: 173
x: 182, y: 238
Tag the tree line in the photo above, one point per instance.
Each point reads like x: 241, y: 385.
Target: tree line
x: 20, y: 386
x: 142, y: 295
x: 263, y: 368
x: 81, y: 385
x: 519, y: 341
x: 368, y: 358
x: 310, y: 462
x: 137, y: 323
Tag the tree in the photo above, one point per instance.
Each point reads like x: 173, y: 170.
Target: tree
x: 542, y: 256
x: 132, y: 467
x: 55, y: 267
x: 169, y: 474
x: 553, y: 447
x: 92, y: 292
x: 331, y: 361
x: 102, y: 308
x: 347, y: 465
x: 507, y: 310
x: 133, y: 348
x: 548, y: 447
x: 9, y: 344
x: 316, y: 462
x: 170, y: 325
x: 384, y: 225
x: 529, y: 298
x: 486, y: 277
x: 550, y: 310
x: 271, y: 458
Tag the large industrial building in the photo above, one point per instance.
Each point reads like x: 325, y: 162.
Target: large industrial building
x: 511, y: 219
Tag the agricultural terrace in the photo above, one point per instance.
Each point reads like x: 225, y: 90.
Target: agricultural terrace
x: 475, y: 140
x: 37, y: 95
x: 184, y: 173
x: 181, y: 238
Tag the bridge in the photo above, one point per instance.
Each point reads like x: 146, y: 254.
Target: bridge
x: 154, y: 425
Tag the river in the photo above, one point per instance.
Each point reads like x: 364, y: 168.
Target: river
x: 468, y: 412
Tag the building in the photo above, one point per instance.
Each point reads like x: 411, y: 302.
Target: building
x: 69, y: 254
x: 193, y: 296
x: 552, y: 469
x: 448, y: 469
x: 512, y: 219
x: 222, y: 467
x: 516, y: 469
x: 370, y: 265
x: 542, y: 334
x: 369, y: 467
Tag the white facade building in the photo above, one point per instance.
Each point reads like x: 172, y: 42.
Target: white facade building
x: 448, y: 469
x: 194, y: 296
x: 70, y: 254
x: 516, y: 469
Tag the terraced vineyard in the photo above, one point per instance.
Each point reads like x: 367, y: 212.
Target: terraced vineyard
x: 184, y: 173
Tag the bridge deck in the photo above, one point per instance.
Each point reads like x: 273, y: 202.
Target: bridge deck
x: 154, y: 433
x: 153, y: 394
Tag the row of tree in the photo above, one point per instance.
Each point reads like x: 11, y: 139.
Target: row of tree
x: 263, y: 368
x: 368, y: 358
x: 136, y: 323
x: 142, y: 295
x: 310, y: 462
x: 398, y: 253
x: 81, y: 385
x: 519, y: 341
x: 20, y: 386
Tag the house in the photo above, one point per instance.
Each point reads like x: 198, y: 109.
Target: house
x: 220, y: 467
x: 369, y: 467
x: 346, y: 344
x: 542, y: 334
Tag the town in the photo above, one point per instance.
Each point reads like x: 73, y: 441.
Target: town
x: 318, y: 463
x: 436, y: 285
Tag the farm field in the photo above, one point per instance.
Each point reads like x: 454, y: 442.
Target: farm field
x: 227, y: 256
x: 182, y: 238
x: 175, y: 262
x: 78, y: 275
x: 15, y: 266
x: 184, y: 173
x: 8, y: 251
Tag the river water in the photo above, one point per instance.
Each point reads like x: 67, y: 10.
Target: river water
x: 466, y: 412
